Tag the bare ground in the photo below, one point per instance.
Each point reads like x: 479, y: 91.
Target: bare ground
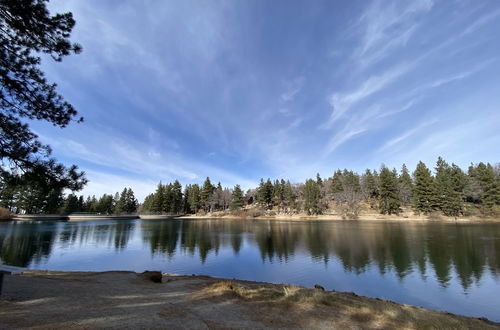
x: 85, y: 300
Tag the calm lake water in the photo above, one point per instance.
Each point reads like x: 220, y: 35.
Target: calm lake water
x: 442, y: 266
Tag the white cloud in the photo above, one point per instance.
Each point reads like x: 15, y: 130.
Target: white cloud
x: 483, y: 20
x: 104, y: 183
x: 356, y: 125
x: 387, y: 26
x: 342, y: 102
x: 410, y: 132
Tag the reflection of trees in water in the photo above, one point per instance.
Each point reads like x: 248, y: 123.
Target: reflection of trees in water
x: 162, y: 236
x: 276, y: 241
x: 23, y: 243
x: 122, y: 234
x: 201, y: 235
x: 438, y: 248
x: 398, y: 247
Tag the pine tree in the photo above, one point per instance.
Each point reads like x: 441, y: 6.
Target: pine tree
x: 424, y: 192
x: 449, y: 197
x: 312, y: 197
x: 337, y: 182
x: 158, y: 200
x: 120, y: 207
x: 195, y: 198
x: 278, y: 193
x: 206, y: 194
x: 319, y: 181
x: 130, y: 202
x: 405, y: 186
x: 389, y: 198
x: 218, y: 197
x: 488, y: 180
x: 236, y: 198
x: 289, y: 196
x: 148, y: 203
x: 265, y: 193
x: 351, y: 180
x: 176, y: 193
x: 70, y: 205
x: 28, y: 31
x: 369, y: 185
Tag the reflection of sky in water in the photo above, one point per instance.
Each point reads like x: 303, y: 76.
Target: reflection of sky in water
x: 440, y: 266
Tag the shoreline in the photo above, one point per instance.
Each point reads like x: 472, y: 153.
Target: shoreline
x: 60, y: 299
x: 369, y: 217
x: 363, y: 217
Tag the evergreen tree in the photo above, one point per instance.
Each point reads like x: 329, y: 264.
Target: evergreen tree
x: 70, y: 205
x: 319, y: 181
x: 278, y: 193
x: 206, y: 194
x: 218, y: 198
x: 93, y: 205
x: 176, y: 193
x: 312, y: 197
x: 159, y: 199
x: 236, y: 198
x: 147, y: 206
x: 488, y: 180
x: 405, y: 186
x: 265, y: 193
x: 350, y: 179
x: 424, y: 192
x: 130, y: 202
x: 195, y: 198
x: 120, y: 206
x: 369, y: 185
x: 337, y: 182
x: 289, y: 196
x: 449, y: 195
x: 186, y: 207
x: 389, y: 198
x: 105, y: 204
x: 81, y: 204
x: 28, y: 31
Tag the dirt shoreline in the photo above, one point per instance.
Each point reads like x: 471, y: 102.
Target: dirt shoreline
x: 83, y: 300
x: 361, y: 217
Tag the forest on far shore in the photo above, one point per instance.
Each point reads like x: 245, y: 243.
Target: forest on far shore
x: 447, y: 189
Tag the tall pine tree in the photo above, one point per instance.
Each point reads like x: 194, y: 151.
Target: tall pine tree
x: 424, y: 192
x: 389, y: 197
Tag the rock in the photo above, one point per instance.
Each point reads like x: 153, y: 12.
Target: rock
x: 154, y: 276
x: 319, y: 287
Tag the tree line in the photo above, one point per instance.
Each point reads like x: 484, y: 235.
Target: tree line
x: 448, y: 189
x: 25, y: 200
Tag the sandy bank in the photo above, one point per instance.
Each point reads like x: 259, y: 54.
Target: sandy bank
x: 75, y: 300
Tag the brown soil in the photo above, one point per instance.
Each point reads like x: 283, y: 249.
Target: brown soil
x: 84, y: 300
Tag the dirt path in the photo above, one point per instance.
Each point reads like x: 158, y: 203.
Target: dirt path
x: 76, y: 300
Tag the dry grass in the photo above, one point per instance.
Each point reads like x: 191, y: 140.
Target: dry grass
x: 341, y: 308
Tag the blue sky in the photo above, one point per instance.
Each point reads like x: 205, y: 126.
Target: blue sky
x: 239, y: 90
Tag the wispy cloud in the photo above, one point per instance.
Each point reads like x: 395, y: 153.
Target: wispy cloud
x: 483, y: 20
x: 343, y: 102
x: 387, y: 26
x: 182, y: 90
x: 356, y: 125
x: 293, y: 88
x: 408, y: 133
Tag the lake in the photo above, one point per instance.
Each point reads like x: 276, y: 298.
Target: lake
x: 442, y: 266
